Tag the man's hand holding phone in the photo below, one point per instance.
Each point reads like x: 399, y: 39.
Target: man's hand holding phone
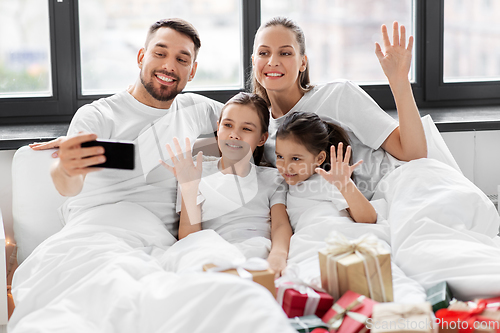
x: 77, y: 160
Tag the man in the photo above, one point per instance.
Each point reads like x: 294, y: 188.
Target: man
x: 167, y: 63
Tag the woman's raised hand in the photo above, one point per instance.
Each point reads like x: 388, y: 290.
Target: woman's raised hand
x: 396, y: 60
x: 184, y: 169
x: 340, y: 171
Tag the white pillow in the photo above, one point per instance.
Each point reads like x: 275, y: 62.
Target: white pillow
x: 34, y: 200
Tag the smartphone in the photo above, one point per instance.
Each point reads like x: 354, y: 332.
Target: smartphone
x: 119, y: 154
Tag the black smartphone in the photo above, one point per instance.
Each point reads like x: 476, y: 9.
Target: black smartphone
x: 119, y: 155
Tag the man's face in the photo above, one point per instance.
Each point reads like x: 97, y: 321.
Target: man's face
x: 167, y: 64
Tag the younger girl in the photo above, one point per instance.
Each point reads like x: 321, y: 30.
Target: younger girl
x: 239, y: 200
x: 304, y: 145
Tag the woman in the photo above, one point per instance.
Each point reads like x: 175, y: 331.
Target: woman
x: 280, y: 76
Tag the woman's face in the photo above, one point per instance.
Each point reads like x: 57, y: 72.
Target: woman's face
x: 239, y: 132
x: 294, y: 162
x: 276, y: 59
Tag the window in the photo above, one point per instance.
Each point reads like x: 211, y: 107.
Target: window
x: 112, y: 32
x: 471, y: 41
x: 341, y: 35
x: 24, y: 49
x: 56, y: 55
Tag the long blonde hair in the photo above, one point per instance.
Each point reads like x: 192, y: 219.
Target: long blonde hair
x: 304, y: 81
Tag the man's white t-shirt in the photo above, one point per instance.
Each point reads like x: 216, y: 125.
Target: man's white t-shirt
x: 122, y: 117
x: 238, y: 208
x: 346, y: 104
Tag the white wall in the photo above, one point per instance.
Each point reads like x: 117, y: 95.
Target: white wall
x: 475, y: 152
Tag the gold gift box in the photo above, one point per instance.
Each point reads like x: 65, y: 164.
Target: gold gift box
x: 351, y: 274
x: 408, y: 318
x: 264, y: 278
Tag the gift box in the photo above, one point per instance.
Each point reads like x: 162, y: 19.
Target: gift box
x: 255, y: 269
x: 439, y: 296
x: 361, y: 265
x: 350, y: 314
x: 393, y: 317
x: 468, y: 317
x: 307, y: 323
x: 295, y: 302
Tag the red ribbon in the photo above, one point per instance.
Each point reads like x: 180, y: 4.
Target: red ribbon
x: 470, y: 317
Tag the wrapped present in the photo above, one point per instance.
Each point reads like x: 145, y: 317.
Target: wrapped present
x: 393, y: 317
x: 468, y: 317
x: 255, y: 269
x: 361, y: 265
x: 300, y: 298
x: 492, y: 304
x: 439, y: 296
x: 307, y: 323
x: 350, y: 313
x: 302, y: 303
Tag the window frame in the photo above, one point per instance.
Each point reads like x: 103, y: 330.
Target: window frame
x: 429, y: 89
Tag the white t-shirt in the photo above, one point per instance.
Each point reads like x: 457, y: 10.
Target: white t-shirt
x: 367, y: 125
x: 238, y: 208
x: 122, y: 117
x: 312, y: 196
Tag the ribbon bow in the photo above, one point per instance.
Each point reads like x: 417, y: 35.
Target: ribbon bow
x: 338, y: 244
x: 336, y: 321
x: 252, y: 264
x: 403, y: 311
x: 339, y: 247
x: 291, y: 280
x: 470, y: 317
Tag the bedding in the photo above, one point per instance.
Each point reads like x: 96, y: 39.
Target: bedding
x: 116, y: 268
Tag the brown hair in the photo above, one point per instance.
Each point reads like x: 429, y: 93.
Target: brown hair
x: 312, y: 132
x: 304, y: 81
x: 180, y: 26
x: 260, y: 106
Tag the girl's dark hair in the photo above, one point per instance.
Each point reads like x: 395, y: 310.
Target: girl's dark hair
x: 314, y: 133
x: 260, y: 106
x: 304, y: 81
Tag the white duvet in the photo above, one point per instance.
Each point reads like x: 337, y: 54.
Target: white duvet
x: 119, y: 270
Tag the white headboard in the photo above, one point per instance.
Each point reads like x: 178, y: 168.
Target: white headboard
x: 34, y: 200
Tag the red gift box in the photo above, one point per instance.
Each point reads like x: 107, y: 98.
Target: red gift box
x: 350, y: 313
x: 294, y: 303
x: 480, y: 319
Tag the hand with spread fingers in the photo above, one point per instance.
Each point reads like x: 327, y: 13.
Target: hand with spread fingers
x: 184, y: 169
x: 396, y: 60
x: 340, y: 172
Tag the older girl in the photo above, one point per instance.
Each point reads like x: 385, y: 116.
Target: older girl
x: 231, y: 195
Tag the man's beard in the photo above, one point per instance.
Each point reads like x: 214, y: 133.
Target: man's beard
x: 162, y: 94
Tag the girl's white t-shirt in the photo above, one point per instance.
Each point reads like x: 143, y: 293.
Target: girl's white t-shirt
x: 238, y: 208
x: 368, y: 126
x: 314, y: 196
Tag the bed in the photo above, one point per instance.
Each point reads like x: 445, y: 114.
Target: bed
x: 110, y: 276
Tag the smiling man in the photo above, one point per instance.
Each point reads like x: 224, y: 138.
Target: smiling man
x: 153, y: 103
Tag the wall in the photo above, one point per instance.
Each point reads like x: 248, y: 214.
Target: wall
x: 475, y: 152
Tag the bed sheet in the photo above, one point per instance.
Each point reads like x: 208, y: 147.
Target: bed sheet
x: 98, y: 275
x: 120, y: 270
x: 442, y: 228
